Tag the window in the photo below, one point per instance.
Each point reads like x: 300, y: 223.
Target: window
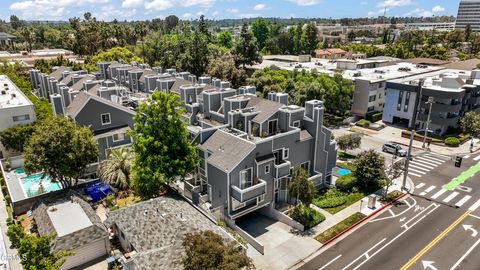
x: 285, y: 153
x: 267, y: 169
x: 371, y: 108
x: 379, y: 95
x: 246, y: 178
x: 305, y: 166
x: 272, y: 126
x: 296, y: 123
x: 118, y: 137
x: 19, y: 118
x: 372, y: 98
x: 236, y: 204
x: 106, y: 119
x: 407, y: 101
x: 399, y: 102
x: 260, y: 198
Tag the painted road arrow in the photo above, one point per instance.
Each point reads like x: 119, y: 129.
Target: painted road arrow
x: 470, y: 228
x: 428, y: 265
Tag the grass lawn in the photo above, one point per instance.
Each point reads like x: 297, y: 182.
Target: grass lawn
x: 351, y: 199
x: 346, y: 156
x: 340, y: 227
x: 127, y: 201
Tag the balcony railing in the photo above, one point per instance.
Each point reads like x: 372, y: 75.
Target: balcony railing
x: 282, y: 169
x: 243, y: 195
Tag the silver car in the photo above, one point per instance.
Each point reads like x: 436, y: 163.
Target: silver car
x: 395, y: 149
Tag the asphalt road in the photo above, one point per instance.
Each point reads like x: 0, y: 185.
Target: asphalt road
x: 436, y: 228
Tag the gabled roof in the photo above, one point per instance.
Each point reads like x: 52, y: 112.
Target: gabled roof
x: 57, y: 74
x: 156, y: 229
x: 265, y: 107
x: 178, y: 83
x: 79, y: 84
x: 146, y: 72
x: 226, y: 150
x: 74, y: 239
x: 67, y: 79
x: 84, y: 97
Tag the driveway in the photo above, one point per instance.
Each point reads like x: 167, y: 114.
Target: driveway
x: 283, y: 246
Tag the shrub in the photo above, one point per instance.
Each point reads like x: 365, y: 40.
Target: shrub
x: 452, y: 142
x: 15, y: 233
x: 8, y: 200
x: 374, y: 117
x: 4, y: 190
x: 331, y: 202
x: 363, y: 123
x: 346, y: 183
x: 306, y: 216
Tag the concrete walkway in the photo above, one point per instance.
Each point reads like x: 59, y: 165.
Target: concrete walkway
x: 13, y: 260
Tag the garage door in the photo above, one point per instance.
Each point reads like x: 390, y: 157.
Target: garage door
x: 85, y: 254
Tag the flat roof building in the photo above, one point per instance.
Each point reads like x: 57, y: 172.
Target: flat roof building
x: 468, y: 14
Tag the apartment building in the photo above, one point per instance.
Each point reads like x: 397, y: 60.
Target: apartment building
x: 426, y: 26
x: 15, y: 109
x: 454, y: 92
x: 468, y: 14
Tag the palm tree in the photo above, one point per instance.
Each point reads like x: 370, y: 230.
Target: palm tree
x: 115, y: 170
x: 141, y: 31
x: 29, y: 35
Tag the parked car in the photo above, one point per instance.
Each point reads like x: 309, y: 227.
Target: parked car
x: 395, y: 149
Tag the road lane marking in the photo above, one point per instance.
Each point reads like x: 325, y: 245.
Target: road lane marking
x: 438, y: 194
x: 432, y: 158
x: 465, y: 255
x: 463, y: 200
x: 450, y: 197
x: 395, y: 238
x: 435, y: 241
x: 463, y: 177
x: 467, y: 156
x: 429, y: 161
x: 477, y: 158
x: 438, y: 156
x: 416, y: 171
x: 420, y: 185
x: 419, y: 168
x: 414, y: 174
x: 330, y: 262
x: 427, y: 190
x: 425, y: 209
x: 474, y: 206
x: 410, y: 206
x: 365, y: 254
x: 477, y: 217
x: 428, y: 167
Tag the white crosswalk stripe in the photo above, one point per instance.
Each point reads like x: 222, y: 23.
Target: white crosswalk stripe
x: 477, y: 158
x: 463, y: 200
x: 430, y: 161
x: 417, y: 171
x: 439, y: 193
x: 416, y: 163
x: 414, y: 174
x: 450, y: 197
x: 474, y: 206
x: 421, y: 165
x: 420, y: 185
x: 430, y: 188
x: 438, y: 156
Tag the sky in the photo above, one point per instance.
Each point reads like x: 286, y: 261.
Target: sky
x: 221, y: 9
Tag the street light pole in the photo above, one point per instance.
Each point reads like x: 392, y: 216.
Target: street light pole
x: 430, y: 101
x: 412, y: 135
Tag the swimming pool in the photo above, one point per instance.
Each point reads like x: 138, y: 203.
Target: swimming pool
x: 33, y: 185
x: 19, y: 171
x: 343, y: 172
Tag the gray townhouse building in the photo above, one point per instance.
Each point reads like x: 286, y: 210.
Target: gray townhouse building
x: 454, y: 92
x: 247, y: 145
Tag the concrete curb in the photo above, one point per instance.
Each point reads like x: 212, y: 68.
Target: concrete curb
x: 363, y: 219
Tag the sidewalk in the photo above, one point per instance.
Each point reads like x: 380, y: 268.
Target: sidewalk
x: 11, y: 254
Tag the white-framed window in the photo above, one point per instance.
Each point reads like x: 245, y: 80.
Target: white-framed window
x: 246, y: 178
x: 267, y: 169
x: 277, y: 184
x: 260, y: 198
x: 118, y: 137
x: 106, y: 118
x: 286, y: 152
x: 296, y: 123
x: 306, y: 166
x: 19, y: 118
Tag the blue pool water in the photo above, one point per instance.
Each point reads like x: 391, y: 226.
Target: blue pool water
x: 343, y: 172
x: 33, y: 185
x: 19, y: 171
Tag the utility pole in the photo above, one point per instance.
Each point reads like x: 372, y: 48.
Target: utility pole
x: 412, y: 133
x: 430, y: 101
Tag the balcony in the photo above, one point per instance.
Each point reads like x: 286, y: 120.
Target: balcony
x: 282, y: 169
x: 243, y: 195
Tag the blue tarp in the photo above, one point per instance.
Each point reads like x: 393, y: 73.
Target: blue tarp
x: 97, y: 190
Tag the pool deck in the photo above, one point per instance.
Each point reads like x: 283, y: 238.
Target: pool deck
x: 14, y: 186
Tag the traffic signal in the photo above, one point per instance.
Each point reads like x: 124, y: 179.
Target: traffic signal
x: 458, y: 162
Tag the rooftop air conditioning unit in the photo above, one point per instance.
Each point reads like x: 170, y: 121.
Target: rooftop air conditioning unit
x: 4, y: 92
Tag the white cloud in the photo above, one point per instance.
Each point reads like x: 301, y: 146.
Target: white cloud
x: 232, y: 10
x: 259, y: 7
x: 377, y: 13
x: 393, y: 3
x: 111, y: 12
x: 167, y: 4
x: 305, y: 2
x: 215, y: 13
x: 249, y: 15
x: 438, y: 9
x: 131, y: 3
x: 48, y: 9
x: 187, y: 15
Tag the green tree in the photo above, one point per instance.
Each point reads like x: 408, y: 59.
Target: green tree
x: 470, y: 123
x: 62, y: 149
x: 225, y: 39
x: 195, y: 58
x: 310, y: 38
x: 297, y: 39
x: 15, y: 22
x: 28, y: 34
x: 224, y: 68
x: 36, y: 253
x: 393, y: 172
x: 209, y: 251
x: 141, y: 31
x: 261, y: 31
x: 161, y: 154
x: 349, y: 142
x: 468, y: 32
x: 170, y: 23
x: 113, y: 54
x: 116, y: 169
x: 245, y: 50
x: 202, y: 26
x: 15, y: 138
x: 15, y: 233
x: 300, y: 187
x: 369, y: 169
